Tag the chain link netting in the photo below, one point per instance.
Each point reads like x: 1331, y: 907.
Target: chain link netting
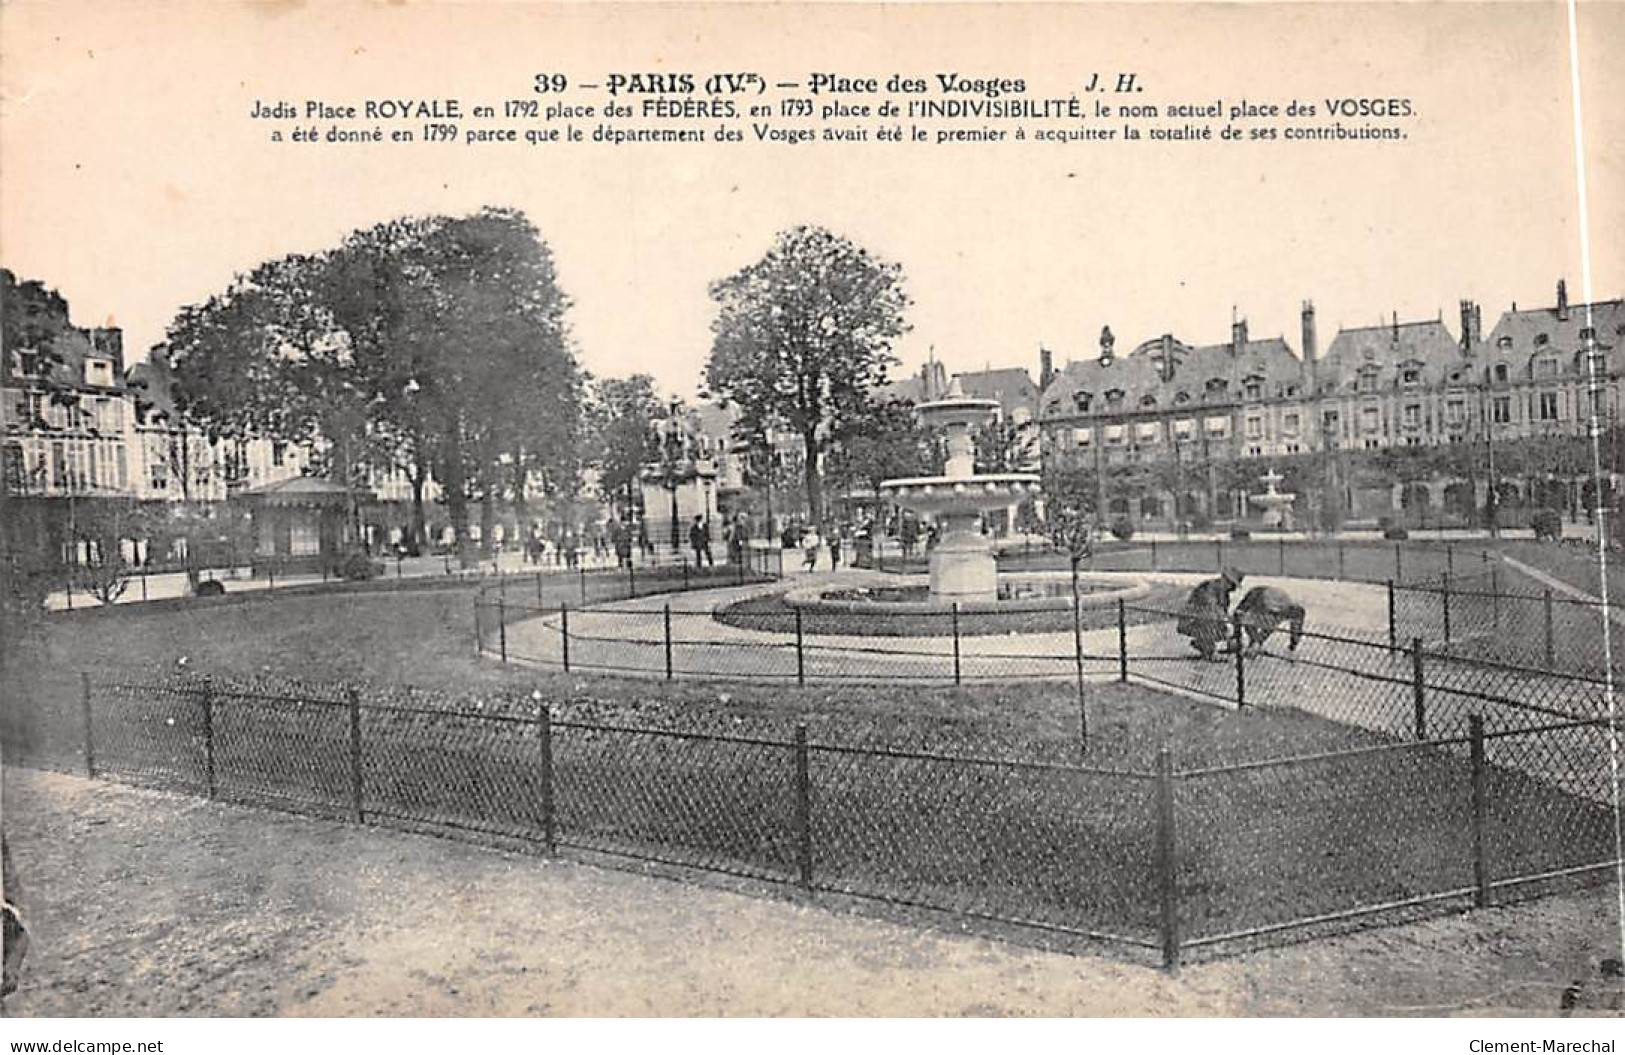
x: 1398, y: 816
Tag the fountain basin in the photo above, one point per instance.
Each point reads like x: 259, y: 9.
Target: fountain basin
x: 1022, y: 592
x: 958, y: 494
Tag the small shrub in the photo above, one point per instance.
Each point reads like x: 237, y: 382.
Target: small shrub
x: 357, y: 566
x: 1548, y: 524
x: 1240, y: 534
x: 1200, y: 520
x: 1395, y: 533
x: 1122, y: 529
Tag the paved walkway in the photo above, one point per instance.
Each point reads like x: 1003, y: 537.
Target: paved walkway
x: 1343, y: 671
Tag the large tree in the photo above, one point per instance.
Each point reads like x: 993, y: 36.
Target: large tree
x: 621, y: 412
x: 435, y: 345
x: 802, y: 337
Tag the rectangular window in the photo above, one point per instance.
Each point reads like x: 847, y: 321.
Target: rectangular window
x: 1455, y: 410
x: 1413, y: 415
x: 276, y: 453
x: 1255, y: 427
x: 303, y: 538
x: 1500, y: 371
x: 59, y: 465
x: 1548, y: 406
x: 1412, y: 377
x: 1083, y: 437
x: 1289, y: 423
x: 1501, y: 410
x: 1370, y: 419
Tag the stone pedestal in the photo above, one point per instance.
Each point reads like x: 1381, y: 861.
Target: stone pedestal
x: 962, y: 564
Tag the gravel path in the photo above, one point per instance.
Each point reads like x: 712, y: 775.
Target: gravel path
x: 151, y: 904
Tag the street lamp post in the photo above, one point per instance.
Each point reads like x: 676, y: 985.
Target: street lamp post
x: 673, y: 467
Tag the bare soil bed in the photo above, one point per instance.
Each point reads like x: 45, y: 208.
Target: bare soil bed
x: 151, y: 904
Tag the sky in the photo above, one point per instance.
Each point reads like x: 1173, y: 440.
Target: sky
x: 134, y: 181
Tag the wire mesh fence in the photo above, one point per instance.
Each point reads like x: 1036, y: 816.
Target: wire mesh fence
x: 1150, y: 857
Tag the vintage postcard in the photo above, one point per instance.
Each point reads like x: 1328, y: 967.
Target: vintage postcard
x: 529, y: 510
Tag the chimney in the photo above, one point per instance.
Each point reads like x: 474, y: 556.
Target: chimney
x: 1046, y: 367
x: 1311, y: 351
x: 1471, y: 323
x: 1562, y: 300
x: 1238, y: 336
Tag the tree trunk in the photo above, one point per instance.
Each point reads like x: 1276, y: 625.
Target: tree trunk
x: 488, y: 519
x: 456, y: 489
x: 521, y: 507
x: 815, y: 488
x: 415, y: 535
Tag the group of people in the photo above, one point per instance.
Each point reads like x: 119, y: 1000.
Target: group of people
x: 1213, y: 628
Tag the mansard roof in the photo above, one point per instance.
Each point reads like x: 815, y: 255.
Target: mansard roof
x: 1211, y: 374
x: 1387, y: 349
x: 1012, y: 386
x: 1521, y: 337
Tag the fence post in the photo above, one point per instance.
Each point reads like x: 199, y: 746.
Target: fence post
x: 1393, y: 632
x: 1418, y: 690
x: 1280, y: 555
x: 1342, y: 572
x: 1546, y: 612
x: 804, y: 844
x: 666, y: 616
x: 208, y: 739
x: 356, y: 785
x: 1399, y: 563
x: 143, y: 582
x: 479, y: 631
x: 544, y: 733
x: 564, y: 633
x: 685, y: 572
x: 502, y: 626
x: 90, y: 741
x: 801, y: 660
x: 581, y: 574
x: 1218, y: 554
x: 1167, y: 861
x: 1153, y: 554
x: 69, y: 584
x: 1449, y: 559
x: 1446, y: 598
x: 1495, y: 597
x: 1241, y: 664
x: 1122, y: 643
x: 956, y: 642
x: 538, y: 589
x: 1481, y: 809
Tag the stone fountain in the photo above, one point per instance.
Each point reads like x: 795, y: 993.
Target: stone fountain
x: 1275, y: 504
x: 962, y: 565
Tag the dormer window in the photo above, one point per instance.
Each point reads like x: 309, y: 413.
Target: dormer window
x: 1081, y: 401
x: 1542, y: 340
x: 1501, y: 372
x: 1588, y: 333
x: 1411, y: 376
x: 1216, y: 386
x: 1254, y: 390
x: 1114, y: 397
x: 27, y: 362
x: 1546, y: 367
x: 1182, y: 396
x: 1367, y: 379
x: 1148, y: 401
x: 1504, y: 341
x: 98, y: 372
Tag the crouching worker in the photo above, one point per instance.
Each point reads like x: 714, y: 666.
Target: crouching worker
x: 1206, y: 618
x: 1263, y: 610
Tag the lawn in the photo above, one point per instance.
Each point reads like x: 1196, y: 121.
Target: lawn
x: 704, y: 774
